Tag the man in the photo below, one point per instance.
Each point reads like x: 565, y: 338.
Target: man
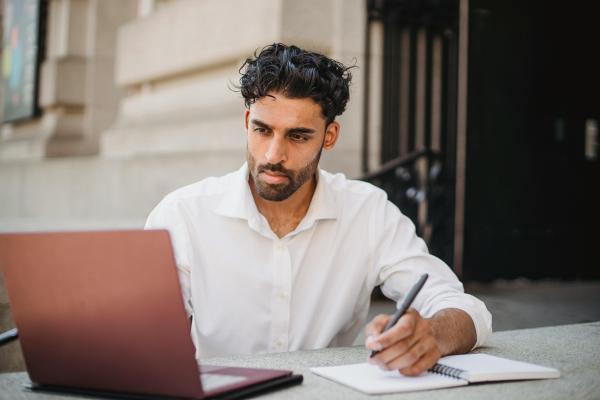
x: 281, y: 255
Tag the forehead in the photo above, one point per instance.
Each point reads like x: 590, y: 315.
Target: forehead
x: 278, y: 110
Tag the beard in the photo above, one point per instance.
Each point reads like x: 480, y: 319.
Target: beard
x: 281, y: 191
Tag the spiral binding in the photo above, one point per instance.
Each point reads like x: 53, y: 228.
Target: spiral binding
x: 446, y: 370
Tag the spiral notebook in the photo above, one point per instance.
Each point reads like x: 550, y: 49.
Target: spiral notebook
x: 450, y: 371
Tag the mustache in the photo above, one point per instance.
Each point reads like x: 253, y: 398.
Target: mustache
x: 280, y: 169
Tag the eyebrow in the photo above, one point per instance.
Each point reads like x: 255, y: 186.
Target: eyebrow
x: 298, y: 129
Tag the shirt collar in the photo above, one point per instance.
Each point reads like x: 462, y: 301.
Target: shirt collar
x: 237, y: 200
x: 323, y: 204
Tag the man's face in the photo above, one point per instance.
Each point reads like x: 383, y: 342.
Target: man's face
x: 285, y: 139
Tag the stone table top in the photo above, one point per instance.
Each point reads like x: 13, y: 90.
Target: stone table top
x: 573, y: 349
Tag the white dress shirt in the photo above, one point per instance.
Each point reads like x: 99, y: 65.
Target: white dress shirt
x: 250, y: 291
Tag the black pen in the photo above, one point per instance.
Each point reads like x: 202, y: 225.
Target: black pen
x: 403, y: 307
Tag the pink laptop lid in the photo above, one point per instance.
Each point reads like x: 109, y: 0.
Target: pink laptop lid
x: 100, y: 310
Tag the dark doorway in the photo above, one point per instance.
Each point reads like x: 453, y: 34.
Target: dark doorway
x: 531, y: 208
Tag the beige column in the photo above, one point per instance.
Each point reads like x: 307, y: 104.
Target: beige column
x: 376, y: 94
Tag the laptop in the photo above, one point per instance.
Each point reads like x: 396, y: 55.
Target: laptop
x: 102, y: 313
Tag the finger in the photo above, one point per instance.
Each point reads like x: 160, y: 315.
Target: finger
x: 422, y: 365
x: 413, y: 354
x: 394, y: 351
x: 376, y: 326
x: 404, y: 328
x: 412, y: 326
x: 384, y: 357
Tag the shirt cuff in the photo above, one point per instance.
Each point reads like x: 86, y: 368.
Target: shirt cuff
x: 479, y: 314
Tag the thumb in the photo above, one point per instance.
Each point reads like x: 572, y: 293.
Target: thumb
x: 374, y: 329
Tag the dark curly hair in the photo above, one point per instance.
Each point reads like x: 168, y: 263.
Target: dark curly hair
x: 296, y: 73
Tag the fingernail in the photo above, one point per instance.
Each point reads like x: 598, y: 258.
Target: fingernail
x: 373, y: 344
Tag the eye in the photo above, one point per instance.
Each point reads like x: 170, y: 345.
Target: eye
x: 296, y: 137
x: 260, y: 130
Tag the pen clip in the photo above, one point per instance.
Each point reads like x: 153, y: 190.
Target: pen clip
x: 398, y: 303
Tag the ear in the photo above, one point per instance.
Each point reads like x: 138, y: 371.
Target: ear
x: 246, y: 118
x: 332, y: 133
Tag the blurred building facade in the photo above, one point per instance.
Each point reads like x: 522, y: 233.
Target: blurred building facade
x: 137, y: 98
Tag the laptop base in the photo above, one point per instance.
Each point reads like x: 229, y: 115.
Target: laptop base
x: 252, y: 390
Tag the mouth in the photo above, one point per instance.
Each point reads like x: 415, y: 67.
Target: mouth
x: 273, y: 178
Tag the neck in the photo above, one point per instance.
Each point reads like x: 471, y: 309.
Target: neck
x: 284, y: 216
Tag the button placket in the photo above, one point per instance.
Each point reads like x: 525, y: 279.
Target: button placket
x: 281, y: 297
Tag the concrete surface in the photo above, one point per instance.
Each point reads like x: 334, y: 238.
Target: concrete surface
x: 578, y: 363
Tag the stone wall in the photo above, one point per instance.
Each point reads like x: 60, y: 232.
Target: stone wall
x: 179, y: 65
x: 149, y: 107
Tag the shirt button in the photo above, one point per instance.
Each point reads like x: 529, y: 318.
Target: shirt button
x: 279, y: 246
x: 282, y: 295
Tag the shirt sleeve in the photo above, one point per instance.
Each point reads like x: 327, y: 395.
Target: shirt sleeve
x: 166, y: 216
x: 401, y: 257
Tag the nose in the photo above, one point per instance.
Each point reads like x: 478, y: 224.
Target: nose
x: 277, y: 151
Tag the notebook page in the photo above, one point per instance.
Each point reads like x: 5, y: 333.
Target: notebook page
x: 371, y: 379
x: 483, y: 367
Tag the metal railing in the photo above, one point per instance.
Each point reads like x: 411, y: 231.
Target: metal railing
x: 413, y: 181
x: 8, y: 336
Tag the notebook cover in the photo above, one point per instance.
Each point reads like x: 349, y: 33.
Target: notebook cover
x: 371, y: 379
x: 486, y: 368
